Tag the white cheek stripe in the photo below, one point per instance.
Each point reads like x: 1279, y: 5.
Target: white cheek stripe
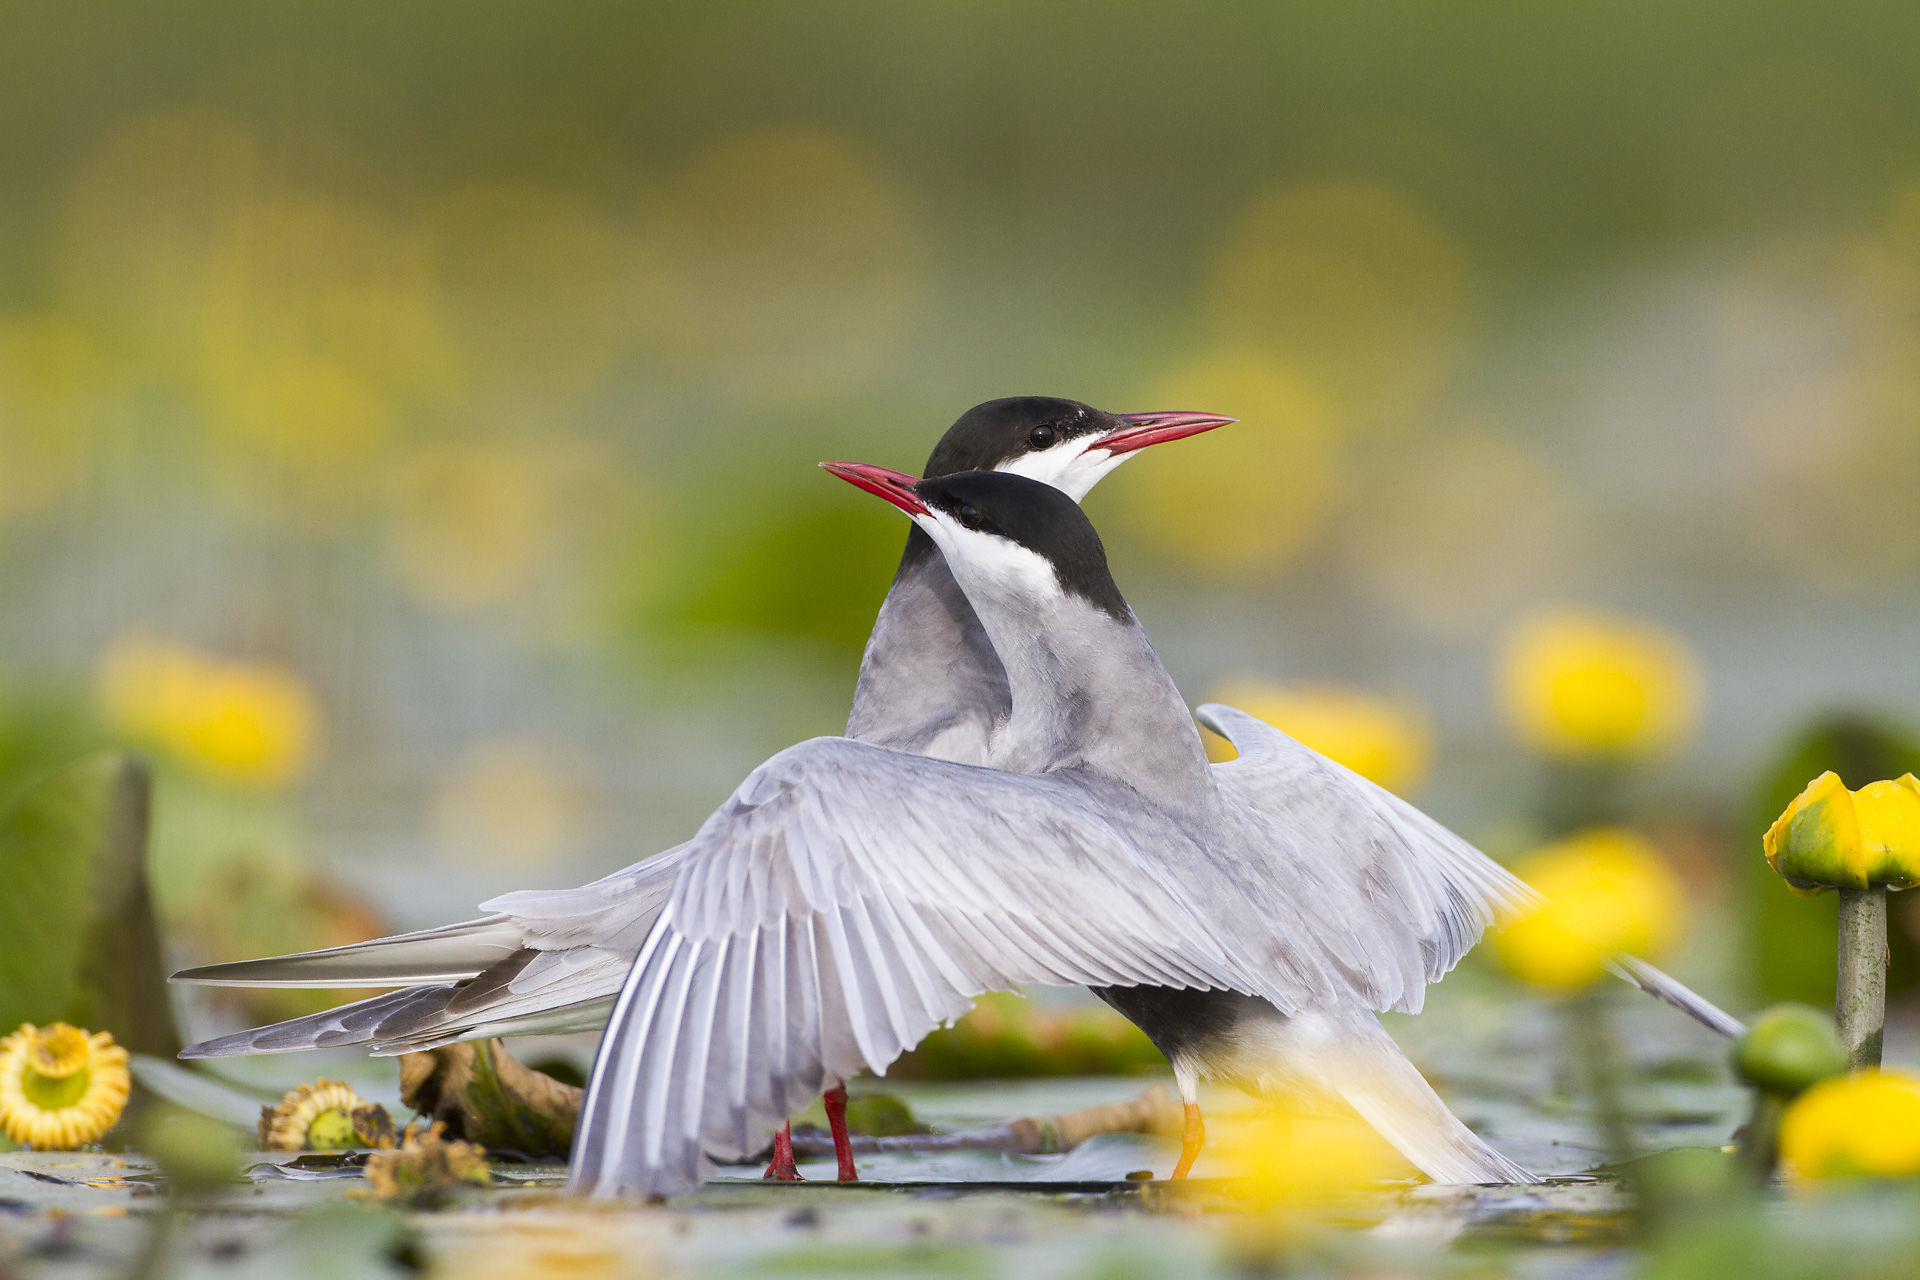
x: 1073, y: 467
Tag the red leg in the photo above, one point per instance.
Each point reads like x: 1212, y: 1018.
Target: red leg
x: 781, y: 1168
x: 836, y: 1102
x: 1191, y: 1136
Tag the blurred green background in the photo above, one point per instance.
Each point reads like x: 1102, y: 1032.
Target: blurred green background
x: 407, y: 411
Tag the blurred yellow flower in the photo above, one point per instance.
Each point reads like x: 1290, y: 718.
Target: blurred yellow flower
x: 514, y: 800
x: 318, y: 342
x: 1247, y: 500
x: 1457, y: 528
x: 51, y: 374
x: 1378, y: 738
x: 60, y: 1087
x: 1352, y: 282
x: 302, y: 430
x: 1299, y: 1167
x: 1578, y: 684
x: 793, y: 266
x: 253, y: 723
x: 470, y: 523
x: 543, y: 288
x: 1862, y: 1125
x: 552, y: 1246
x: 1300, y: 1155
x: 1832, y: 838
x: 1603, y: 891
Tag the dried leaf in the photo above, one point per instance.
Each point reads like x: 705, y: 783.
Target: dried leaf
x: 427, y: 1167
x: 480, y: 1093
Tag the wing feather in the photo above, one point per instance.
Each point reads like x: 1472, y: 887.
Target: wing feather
x: 881, y: 893
x: 1411, y: 896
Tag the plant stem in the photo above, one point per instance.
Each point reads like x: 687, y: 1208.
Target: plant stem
x: 1592, y: 1034
x: 1860, y: 991
x: 1760, y: 1146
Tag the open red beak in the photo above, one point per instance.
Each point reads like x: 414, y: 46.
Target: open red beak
x: 891, y: 485
x: 1143, y: 429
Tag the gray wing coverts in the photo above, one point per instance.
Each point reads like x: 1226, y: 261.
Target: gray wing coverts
x: 847, y: 900
x: 1417, y: 882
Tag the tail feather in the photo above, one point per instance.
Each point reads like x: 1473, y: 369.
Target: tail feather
x: 424, y: 1017
x: 1346, y: 1056
x: 1391, y: 1095
x: 450, y: 953
x: 351, y: 1024
x: 1661, y: 986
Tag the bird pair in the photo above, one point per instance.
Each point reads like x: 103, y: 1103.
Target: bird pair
x: 1021, y: 797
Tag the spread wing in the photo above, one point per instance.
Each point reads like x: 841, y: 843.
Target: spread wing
x: 1391, y: 870
x: 1420, y: 882
x: 849, y: 899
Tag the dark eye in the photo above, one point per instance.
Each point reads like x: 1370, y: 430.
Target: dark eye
x: 1042, y: 436
x: 969, y: 517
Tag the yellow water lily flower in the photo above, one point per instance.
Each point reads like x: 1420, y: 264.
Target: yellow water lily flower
x: 1378, y: 738
x: 326, y: 1115
x: 1297, y: 1167
x: 1862, y: 1125
x: 1603, y: 891
x: 251, y: 723
x: 1832, y: 838
x: 60, y: 1087
x: 1581, y: 685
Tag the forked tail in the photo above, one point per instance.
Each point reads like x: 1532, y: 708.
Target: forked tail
x: 1391, y: 1095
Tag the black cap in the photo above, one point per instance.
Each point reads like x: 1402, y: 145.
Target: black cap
x: 998, y: 431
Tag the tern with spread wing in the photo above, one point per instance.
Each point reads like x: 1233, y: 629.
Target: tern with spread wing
x: 549, y: 961
x: 848, y: 898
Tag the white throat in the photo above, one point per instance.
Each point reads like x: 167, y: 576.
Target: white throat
x: 1008, y: 584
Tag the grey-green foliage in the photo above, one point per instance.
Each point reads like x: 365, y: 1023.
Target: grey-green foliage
x: 77, y: 935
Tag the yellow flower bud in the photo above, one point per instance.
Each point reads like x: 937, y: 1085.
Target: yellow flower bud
x: 1862, y: 1125
x: 1788, y: 1049
x: 1604, y: 891
x: 1832, y: 838
x: 60, y: 1087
